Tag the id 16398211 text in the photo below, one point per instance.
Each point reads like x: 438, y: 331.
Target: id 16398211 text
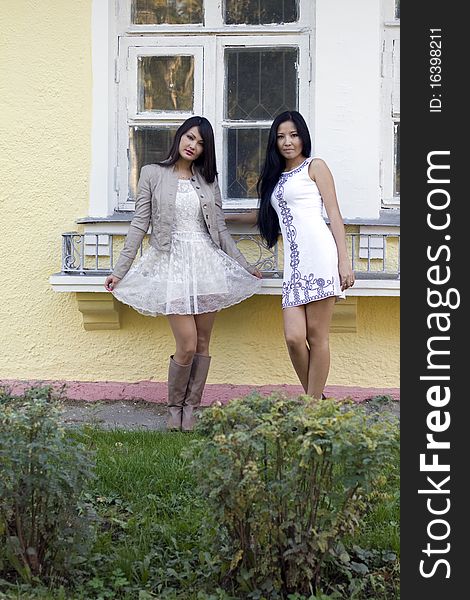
x: 435, y: 70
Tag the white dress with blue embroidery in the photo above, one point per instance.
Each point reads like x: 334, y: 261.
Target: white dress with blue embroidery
x: 310, y: 253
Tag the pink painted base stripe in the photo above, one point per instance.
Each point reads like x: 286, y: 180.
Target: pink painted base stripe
x: 152, y: 391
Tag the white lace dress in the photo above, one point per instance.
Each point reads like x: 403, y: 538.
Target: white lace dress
x: 194, y: 277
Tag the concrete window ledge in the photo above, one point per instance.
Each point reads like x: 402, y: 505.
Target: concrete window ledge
x: 64, y: 282
x: 99, y: 311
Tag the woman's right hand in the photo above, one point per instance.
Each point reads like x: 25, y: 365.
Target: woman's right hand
x: 111, y: 282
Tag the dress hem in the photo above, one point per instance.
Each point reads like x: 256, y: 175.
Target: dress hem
x: 337, y: 296
x: 165, y: 314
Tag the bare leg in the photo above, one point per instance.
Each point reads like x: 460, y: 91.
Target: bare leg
x: 185, y: 334
x: 295, y: 333
x: 319, y: 315
x: 204, y: 324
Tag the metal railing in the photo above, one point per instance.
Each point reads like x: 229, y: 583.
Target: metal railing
x: 373, y: 256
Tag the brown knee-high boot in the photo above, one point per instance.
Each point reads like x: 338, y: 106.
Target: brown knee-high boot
x: 178, y: 378
x: 197, y: 381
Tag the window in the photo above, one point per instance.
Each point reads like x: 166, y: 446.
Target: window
x: 238, y: 62
x: 155, y: 12
x: 391, y: 105
x: 396, y: 159
x: 261, y: 80
x: 160, y: 86
x: 253, y: 12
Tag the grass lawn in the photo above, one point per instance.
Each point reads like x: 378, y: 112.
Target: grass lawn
x: 149, y: 542
x: 147, y: 494
x: 152, y: 514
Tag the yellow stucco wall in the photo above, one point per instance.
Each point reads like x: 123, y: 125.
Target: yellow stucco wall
x: 45, y: 107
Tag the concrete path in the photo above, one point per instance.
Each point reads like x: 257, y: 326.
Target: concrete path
x: 138, y: 414
x: 142, y: 405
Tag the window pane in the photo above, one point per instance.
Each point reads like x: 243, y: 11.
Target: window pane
x: 397, y: 9
x: 259, y: 12
x: 166, y: 83
x: 147, y: 145
x: 261, y: 82
x: 173, y: 12
x: 396, y: 161
x: 245, y: 156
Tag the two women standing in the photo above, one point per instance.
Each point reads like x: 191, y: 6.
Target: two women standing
x: 193, y: 267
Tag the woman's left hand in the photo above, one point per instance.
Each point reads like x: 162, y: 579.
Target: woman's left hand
x: 257, y: 274
x: 346, y: 275
x: 111, y: 282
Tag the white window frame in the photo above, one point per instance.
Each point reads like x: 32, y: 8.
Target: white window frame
x: 390, y: 102
x: 130, y: 48
x: 111, y: 26
x: 212, y: 20
x: 142, y: 46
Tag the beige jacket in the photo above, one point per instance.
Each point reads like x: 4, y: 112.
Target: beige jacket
x: 155, y: 206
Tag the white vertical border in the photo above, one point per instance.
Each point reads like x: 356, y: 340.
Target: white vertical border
x: 390, y: 108
x: 209, y: 100
x: 348, y: 101
x: 103, y: 197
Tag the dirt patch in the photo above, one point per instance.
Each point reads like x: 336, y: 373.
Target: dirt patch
x: 121, y: 414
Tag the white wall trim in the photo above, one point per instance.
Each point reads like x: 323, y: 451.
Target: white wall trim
x: 102, y: 195
x: 271, y: 287
x: 348, y: 101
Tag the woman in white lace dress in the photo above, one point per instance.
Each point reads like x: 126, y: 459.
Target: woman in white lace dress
x: 294, y: 188
x: 192, y: 268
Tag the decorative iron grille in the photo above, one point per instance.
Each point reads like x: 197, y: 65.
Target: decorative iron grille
x: 373, y: 256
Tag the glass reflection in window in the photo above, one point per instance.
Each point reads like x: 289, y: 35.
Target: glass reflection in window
x: 260, y: 12
x: 166, y: 83
x: 396, y: 161
x: 261, y: 82
x: 245, y: 158
x: 147, y: 145
x: 172, y: 12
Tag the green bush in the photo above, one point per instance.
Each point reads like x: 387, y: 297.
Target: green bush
x: 44, y: 528
x: 285, y: 480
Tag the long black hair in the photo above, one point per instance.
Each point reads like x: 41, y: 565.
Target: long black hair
x: 206, y: 162
x: 274, y: 165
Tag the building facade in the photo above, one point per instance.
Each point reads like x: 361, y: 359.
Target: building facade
x: 94, y: 89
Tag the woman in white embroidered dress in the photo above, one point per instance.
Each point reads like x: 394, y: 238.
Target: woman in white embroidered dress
x: 192, y: 268
x: 293, y: 189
